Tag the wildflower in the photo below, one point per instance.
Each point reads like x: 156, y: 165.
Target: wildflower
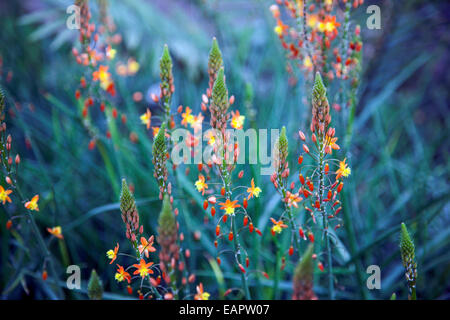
x: 307, y: 63
x: 146, y: 246
x: 200, y: 184
x: 104, y: 77
x: 201, y: 294
x: 196, y: 123
x: 112, y: 254
x: 328, y: 25
x: 155, y: 131
x: 229, y: 206
x: 253, y: 191
x: 56, y: 231
x: 143, y: 269
x: 187, y: 117
x: 330, y: 144
x: 32, y: 205
x: 344, y: 170
x: 121, y: 274
x: 110, y: 53
x: 4, y: 195
x: 303, y: 277
x: 293, y: 199
x: 237, y: 121
x: 277, y: 227
x: 132, y: 66
x: 146, y: 119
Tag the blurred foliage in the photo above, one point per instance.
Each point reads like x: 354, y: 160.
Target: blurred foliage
x: 399, y: 152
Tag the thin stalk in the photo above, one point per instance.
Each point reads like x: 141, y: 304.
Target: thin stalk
x: 325, y: 219
x: 237, y: 246
x: 40, y: 241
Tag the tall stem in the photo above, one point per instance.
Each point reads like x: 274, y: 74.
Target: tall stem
x: 237, y: 245
x: 325, y: 218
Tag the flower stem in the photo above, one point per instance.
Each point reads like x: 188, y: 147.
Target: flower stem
x: 325, y: 219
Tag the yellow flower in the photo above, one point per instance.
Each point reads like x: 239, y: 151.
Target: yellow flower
x: 278, y: 30
x: 32, y: 205
x: 277, y: 227
x: 312, y: 21
x: 121, y: 274
x: 188, y: 118
x: 146, y: 119
x: 229, y: 206
x: 201, y: 295
x: 56, y: 231
x: 4, y: 195
x: 200, y: 184
x: 132, y: 67
x: 237, y: 121
x: 112, y: 254
x: 155, y: 131
x: 307, y: 63
x: 196, y: 122
x: 344, y: 170
x: 110, y: 53
x: 143, y: 269
x: 253, y: 191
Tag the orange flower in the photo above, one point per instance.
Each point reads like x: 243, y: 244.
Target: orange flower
x: 344, y: 170
x: 253, y: 191
x: 292, y: 199
x: 121, y: 274
x: 112, y: 254
x: 201, y: 295
x: 200, y: 184
x: 229, y: 206
x: 155, y: 131
x: 146, y: 246
x: 143, y: 269
x: 277, y: 227
x: 237, y: 121
x: 188, y: 118
x: 196, y: 123
x: 146, y: 119
x: 56, y: 231
x: 4, y: 195
x: 328, y: 25
x: 330, y: 144
x: 32, y: 205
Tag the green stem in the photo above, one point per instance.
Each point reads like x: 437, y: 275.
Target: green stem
x: 40, y: 241
x: 325, y: 219
x: 237, y: 245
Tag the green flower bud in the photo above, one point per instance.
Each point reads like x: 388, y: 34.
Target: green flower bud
x: 95, y: 287
x: 303, y: 277
x: 407, y: 251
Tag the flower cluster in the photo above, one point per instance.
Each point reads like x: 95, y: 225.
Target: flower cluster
x: 96, y: 53
x: 319, y: 39
x: 407, y: 251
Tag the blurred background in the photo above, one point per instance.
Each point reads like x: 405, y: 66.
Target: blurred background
x: 399, y: 153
